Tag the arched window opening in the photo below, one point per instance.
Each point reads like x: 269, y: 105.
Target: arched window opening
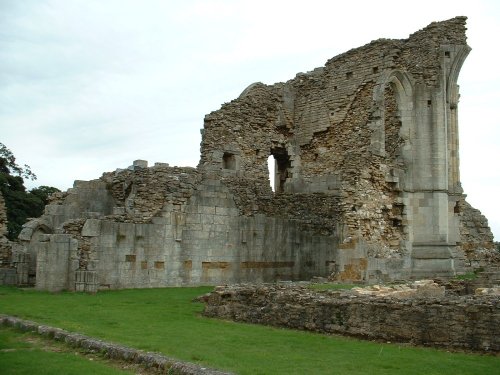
x: 393, y: 123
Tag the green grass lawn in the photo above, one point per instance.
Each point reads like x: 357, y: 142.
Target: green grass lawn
x: 26, y: 354
x: 165, y: 320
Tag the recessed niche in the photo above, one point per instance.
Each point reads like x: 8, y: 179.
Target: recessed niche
x: 229, y: 161
x: 160, y: 265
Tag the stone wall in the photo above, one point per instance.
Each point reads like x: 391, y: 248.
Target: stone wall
x: 8, y: 274
x: 476, y: 237
x: 168, y: 226
x: 366, y: 185
x: 374, y: 127
x: 469, y: 322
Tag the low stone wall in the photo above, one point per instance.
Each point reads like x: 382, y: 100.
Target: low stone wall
x: 153, y: 361
x: 466, y: 322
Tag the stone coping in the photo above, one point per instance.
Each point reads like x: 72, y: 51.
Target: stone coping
x: 154, y: 362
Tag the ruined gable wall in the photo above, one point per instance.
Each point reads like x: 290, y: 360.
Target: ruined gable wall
x: 369, y: 132
x: 247, y: 127
x: 323, y: 120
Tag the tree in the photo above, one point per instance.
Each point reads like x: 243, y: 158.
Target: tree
x: 8, y: 164
x: 20, y: 204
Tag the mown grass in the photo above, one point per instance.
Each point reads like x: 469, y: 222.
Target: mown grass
x: 165, y: 320
x: 25, y: 354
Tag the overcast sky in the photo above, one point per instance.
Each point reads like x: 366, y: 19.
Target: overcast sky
x: 88, y: 86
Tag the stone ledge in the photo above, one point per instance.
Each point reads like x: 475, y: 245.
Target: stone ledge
x: 152, y: 361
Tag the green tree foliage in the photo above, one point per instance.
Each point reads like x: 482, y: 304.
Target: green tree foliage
x: 20, y: 203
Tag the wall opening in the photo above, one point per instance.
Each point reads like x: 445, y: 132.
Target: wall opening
x: 281, y: 170
x: 271, y: 166
x: 229, y: 161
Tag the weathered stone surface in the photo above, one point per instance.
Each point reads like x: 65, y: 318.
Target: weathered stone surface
x: 469, y: 322
x: 420, y: 288
x: 367, y: 185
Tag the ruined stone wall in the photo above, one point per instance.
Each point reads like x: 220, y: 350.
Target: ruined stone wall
x: 454, y: 322
x: 366, y: 185
x: 172, y: 226
x: 324, y: 122
x: 476, y: 238
x: 5, y: 248
x: 144, y: 192
x: 13, y: 260
x: 375, y: 132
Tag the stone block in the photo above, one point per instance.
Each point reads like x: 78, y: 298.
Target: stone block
x: 91, y: 228
x: 8, y: 276
x: 140, y: 164
x: 192, y: 219
x: 61, y: 238
x: 431, y: 251
x: 207, y: 210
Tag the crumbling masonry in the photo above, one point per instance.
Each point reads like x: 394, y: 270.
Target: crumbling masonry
x: 367, y: 185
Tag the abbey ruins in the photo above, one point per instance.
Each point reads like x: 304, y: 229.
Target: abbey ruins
x: 367, y: 186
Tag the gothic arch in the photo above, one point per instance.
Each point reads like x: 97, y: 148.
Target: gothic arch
x: 452, y: 98
x: 402, y: 85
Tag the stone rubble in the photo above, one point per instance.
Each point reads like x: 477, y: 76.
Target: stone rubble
x: 420, y: 288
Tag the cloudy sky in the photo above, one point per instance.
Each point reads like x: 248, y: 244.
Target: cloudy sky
x: 88, y: 86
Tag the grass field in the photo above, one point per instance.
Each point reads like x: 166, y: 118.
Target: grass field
x: 26, y: 354
x: 165, y: 320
